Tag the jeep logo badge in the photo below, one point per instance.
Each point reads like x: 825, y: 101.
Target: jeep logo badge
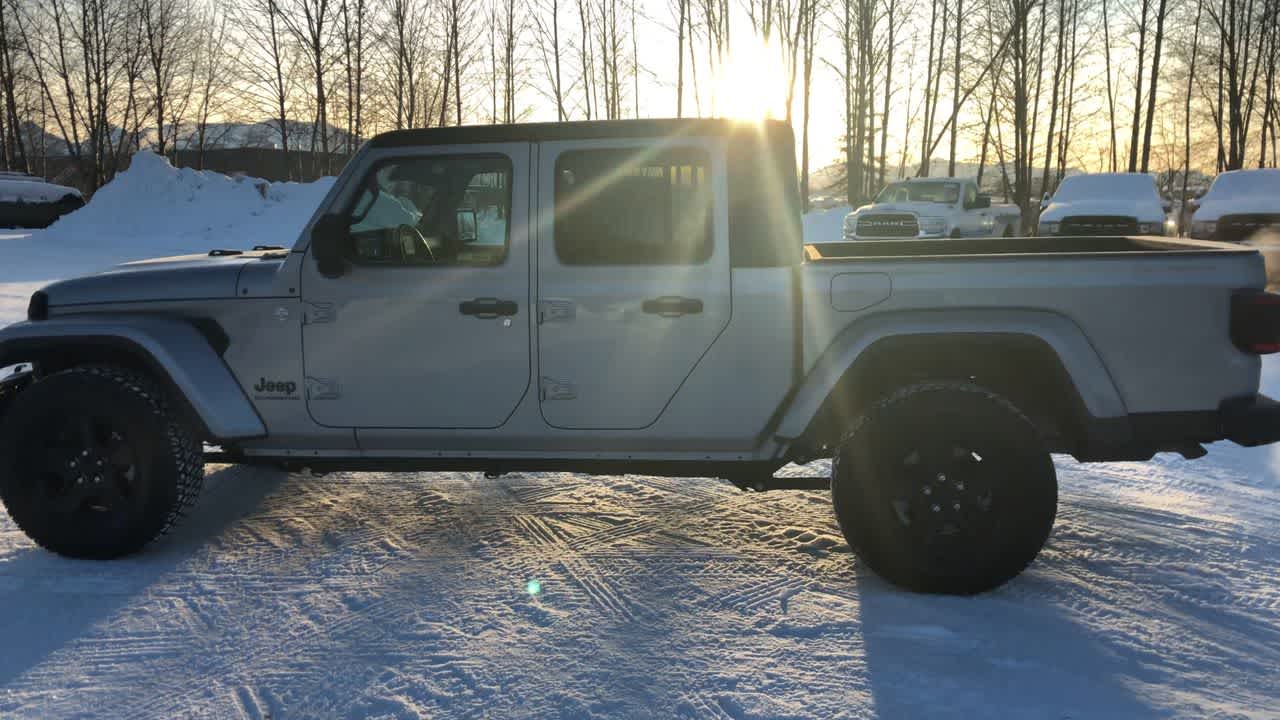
x: 277, y: 388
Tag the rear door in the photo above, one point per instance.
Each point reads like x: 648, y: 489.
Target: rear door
x: 633, y: 280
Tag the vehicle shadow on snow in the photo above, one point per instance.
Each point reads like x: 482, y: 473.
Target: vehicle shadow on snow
x: 1014, y: 652
x: 54, y: 601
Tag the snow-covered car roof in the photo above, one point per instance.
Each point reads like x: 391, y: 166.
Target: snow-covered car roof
x: 19, y: 187
x: 1108, y: 186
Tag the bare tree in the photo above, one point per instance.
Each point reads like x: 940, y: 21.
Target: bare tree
x: 267, y: 64
x: 212, y: 65
x: 167, y: 27
x: 547, y: 31
x: 1111, y: 96
x: 14, y: 156
x: 1155, y: 83
x: 808, y: 43
x: 1186, y: 118
x: 353, y: 15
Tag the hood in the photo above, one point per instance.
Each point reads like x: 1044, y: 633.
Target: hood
x: 186, y: 277
x: 1140, y: 210
x: 922, y: 209
x: 1212, y: 208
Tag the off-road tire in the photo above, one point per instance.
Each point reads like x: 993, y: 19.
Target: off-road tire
x: 944, y: 487
x: 128, y: 445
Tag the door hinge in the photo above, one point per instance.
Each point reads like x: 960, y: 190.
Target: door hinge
x: 317, y: 313
x: 322, y: 389
x: 555, y: 310
x: 553, y: 389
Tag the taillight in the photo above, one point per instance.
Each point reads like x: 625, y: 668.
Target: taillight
x: 1255, y: 321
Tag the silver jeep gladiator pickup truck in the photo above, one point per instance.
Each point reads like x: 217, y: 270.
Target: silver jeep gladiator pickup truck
x: 632, y: 297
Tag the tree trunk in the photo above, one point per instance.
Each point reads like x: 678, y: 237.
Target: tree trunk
x: 1155, y: 80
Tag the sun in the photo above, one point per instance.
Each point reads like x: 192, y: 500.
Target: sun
x: 751, y: 84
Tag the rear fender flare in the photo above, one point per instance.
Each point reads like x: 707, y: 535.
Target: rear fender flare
x: 1093, y: 383
x: 175, y: 350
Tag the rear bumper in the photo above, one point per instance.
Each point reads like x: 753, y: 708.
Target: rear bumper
x: 1250, y: 421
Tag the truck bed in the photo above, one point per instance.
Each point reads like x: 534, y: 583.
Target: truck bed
x: 1153, y: 310
x: 984, y: 247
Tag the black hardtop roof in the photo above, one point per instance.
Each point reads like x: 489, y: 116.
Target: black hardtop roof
x: 574, y: 130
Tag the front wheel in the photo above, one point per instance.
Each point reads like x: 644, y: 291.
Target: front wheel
x: 945, y: 488
x: 93, y: 464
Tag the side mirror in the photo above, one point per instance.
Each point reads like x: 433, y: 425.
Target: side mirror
x: 1167, y: 205
x: 468, y: 227
x: 982, y: 202
x: 328, y: 245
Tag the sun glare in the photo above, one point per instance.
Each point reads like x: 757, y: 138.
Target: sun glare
x: 751, y: 85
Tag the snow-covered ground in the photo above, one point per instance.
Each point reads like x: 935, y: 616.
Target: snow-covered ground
x: 569, y: 596
x: 825, y: 225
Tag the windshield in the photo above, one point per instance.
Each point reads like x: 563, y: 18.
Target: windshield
x: 937, y: 192
x: 1246, y: 182
x: 1121, y: 186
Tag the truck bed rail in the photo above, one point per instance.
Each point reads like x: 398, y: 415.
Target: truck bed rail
x: 979, y: 247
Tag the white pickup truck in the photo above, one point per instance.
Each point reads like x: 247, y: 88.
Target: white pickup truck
x: 1241, y: 205
x: 632, y: 297
x: 1106, y: 204
x: 926, y: 208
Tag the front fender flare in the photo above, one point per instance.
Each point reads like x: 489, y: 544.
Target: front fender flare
x: 1093, y: 383
x: 172, y: 348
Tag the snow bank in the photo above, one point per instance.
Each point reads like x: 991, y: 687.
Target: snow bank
x: 154, y: 207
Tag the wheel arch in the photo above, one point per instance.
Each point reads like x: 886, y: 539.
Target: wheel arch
x: 177, y: 353
x: 1041, y: 361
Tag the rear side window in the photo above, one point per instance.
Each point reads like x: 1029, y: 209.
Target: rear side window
x: 633, y: 207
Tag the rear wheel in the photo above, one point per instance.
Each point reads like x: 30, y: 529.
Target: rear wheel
x: 945, y: 488
x: 94, y: 465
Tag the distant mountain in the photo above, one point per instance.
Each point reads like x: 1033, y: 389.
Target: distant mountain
x: 264, y: 134
x: 218, y: 136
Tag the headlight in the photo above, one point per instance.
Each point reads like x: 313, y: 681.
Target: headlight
x: 1049, y: 228
x: 933, y: 225
x: 1204, y: 228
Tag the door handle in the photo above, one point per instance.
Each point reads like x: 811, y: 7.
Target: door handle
x: 487, y: 308
x: 672, y: 306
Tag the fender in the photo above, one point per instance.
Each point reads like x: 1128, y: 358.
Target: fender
x: 171, y: 347
x: 1093, y: 383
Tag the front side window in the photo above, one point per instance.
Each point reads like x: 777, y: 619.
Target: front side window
x: 633, y: 207
x: 433, y: 211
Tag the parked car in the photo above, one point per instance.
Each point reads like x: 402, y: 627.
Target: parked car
x: 824, y: 202
x: 1239, y: 206
x: 1106, y: 204
x: 31, y: 202
x: 924, y: 208
x: 636, y: 299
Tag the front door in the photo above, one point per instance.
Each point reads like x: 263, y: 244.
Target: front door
x: 633, y: 276
x: 429, y: 327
